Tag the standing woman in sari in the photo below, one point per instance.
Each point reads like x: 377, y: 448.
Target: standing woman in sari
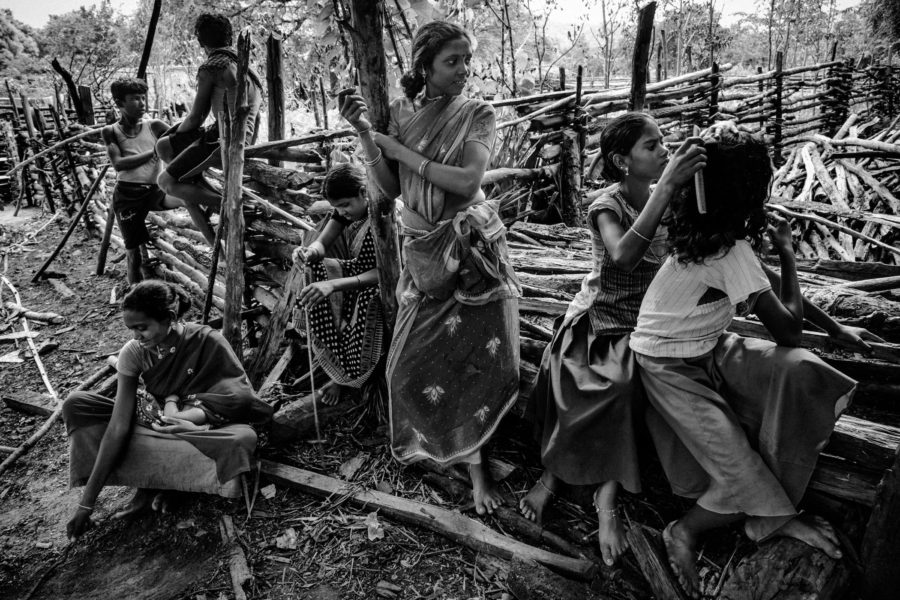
x: 453, y: 365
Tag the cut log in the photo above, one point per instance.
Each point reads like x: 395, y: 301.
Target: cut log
x: 296, y: 420
x: 273, y: 336
x: 784, y: 569
x: 528, y: 580
x: 453, y: 525
x: 881, y: 543
x: 851, y: 271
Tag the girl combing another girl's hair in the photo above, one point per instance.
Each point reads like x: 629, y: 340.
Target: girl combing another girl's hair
x: 738, y: 423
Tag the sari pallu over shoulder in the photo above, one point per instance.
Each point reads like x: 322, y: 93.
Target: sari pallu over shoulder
x: 438, y: 132
x: 202, y: 365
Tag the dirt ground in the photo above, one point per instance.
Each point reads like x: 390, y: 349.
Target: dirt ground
x: 325, y: 550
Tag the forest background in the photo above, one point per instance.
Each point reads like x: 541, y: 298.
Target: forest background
x: 521, y: 44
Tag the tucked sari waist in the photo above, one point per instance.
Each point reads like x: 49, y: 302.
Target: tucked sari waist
x: 465, y: 257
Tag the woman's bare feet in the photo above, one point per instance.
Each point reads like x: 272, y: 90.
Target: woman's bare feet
x: 139, y: 502
x: 484, y: 489
x: 680, y: 547
x: 815, y: 531
x: 538, y: 497
x: 610, y: 529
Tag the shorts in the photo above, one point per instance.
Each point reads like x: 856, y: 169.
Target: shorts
x: 131, y: 203
x: 192, y: 149
x: 197, y: 150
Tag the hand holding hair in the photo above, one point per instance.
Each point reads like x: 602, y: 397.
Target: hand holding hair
x: 688, y: 159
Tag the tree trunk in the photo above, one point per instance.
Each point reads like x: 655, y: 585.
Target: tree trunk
x: 641, y: 56
x: 368, y: 50
x: 275, y: 83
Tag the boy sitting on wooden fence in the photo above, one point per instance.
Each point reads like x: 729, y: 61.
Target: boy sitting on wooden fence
x: 131, y: 146
x: 188, y: 148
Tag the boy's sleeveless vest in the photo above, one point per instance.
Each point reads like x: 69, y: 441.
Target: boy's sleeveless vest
x: 133, y: 145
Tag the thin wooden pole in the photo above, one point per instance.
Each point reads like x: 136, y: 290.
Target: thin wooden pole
x: 779, y: 115
x: 87, y: 104
x: 72, y: 224
x: 324, y: 102
x: 641, y: 57
x: 148, y: 42
x: 28, y: 113
x: 275, y: 84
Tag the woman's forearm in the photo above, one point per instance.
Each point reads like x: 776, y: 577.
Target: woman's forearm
x: 362, y: 280
x: 463, y: 181
x: 385, y: 178
x: 111, y: 447
x: 632, y: 245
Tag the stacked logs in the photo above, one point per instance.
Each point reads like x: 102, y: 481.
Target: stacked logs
x: 841, y: 192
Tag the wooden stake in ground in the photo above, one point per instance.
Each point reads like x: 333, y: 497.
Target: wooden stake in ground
x: 72, y: 224
x: 148, y: 42
x: 232, y: 208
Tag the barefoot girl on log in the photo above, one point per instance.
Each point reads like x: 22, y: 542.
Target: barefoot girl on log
x: 186, y: 431
x: 346, y: 317
x: 453, y: 366
x: 587, y: 392
x: 738, y: 422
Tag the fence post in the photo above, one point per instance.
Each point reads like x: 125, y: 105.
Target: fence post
x: 562, y: 79
x: 275, y: 83
x: 30, y: 114
x: 716, y: 80
x: 641, y: 57
x: 87, y: 104
x: 779, y: 115
x: 762, y: 100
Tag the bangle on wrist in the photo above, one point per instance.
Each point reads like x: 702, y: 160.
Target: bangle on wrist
x: 87, y: 508
x: 374, y: 161
x: 423, y: 166
x: 362, y: 131
x: 640, y: 235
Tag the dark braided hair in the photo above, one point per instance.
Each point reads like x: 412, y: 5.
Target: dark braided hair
x: 429, y: 40
x: 619, y: 137
x: 157, y: 299
x: 737, y: 175
x: 344, y: 181
x: 213, y: 30
x: 127, y: 85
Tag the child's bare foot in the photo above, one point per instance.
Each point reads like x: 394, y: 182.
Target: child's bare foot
x: 815, y: 531
x: 610, y: 529
x: 484, y: 489
x: 682, y: 557
x: 138, y: 503
x: 538, y: 497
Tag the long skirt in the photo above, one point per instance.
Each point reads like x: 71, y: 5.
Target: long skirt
x: 203, y: 461
x: 453, y: 372
x: 740, y: 428
x: 583, y: 406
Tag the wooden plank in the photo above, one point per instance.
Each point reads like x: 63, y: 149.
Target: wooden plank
x: 31, y: 403
x: 528, y: 580
x: 19, y: 335
x: 451, y: 524
x: 646, y: 545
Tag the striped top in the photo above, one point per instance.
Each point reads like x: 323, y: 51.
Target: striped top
x: 612, y: 296
x: 688, y: 306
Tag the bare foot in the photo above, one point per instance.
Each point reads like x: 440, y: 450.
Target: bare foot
x: 538, y: 497
x: 139, y: 502
x: 610, y: 530
x: 815, y: 531
x: 484, y: 489
x: 330, y: 394
x: 682, y: 557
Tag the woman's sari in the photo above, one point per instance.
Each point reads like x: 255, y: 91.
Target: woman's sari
x: 453, y: 365
x: 202, y: 370
x: 346, y: 331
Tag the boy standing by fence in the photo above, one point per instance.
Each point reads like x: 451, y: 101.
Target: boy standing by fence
x: 131, y: 146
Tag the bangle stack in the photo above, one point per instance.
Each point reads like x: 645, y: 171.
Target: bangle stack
x: 423, y: 166
x: 374, y: 161
x: 640, y: 235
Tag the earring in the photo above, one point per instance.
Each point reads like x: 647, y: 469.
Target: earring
x: 626, y: 170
